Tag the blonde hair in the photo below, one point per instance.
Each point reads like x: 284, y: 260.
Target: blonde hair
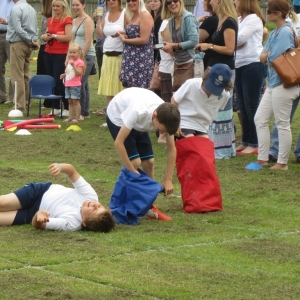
x: 167, y: 14
x: 66, y: 11
x: 226, y: 8
x: 142, y: 8
x: 78, y: 48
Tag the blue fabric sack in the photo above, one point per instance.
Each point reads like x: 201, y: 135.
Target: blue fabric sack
x: 133, y: 196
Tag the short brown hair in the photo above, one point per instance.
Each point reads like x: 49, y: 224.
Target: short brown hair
x: 105, y: 222
x: 168, y: 115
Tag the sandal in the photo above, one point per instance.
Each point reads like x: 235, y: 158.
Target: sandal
x: 68, y: 120
x: 101, y: 112
x: 74, y: 121
x: 81, y: 118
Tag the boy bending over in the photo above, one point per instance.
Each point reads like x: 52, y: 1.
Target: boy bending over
x: 56, y: 207
x: 130, y: 115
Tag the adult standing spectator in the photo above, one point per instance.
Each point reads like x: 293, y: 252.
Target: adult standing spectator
x: 22, y: 34
x: 99, y: 44
x: 199, y: 10
x: 57, y: 38
x: 277, y: 100
x: 249, y: 70
x: 223, y: 47
x: 137, y: 59
x: 83, y: 34
x: 6, y: 6
x: 208, y: 27
x: 112, y: 22
x: 40, y: 66
x: 183, y: 28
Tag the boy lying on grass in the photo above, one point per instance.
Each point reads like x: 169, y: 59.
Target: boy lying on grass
x: 56, y: 207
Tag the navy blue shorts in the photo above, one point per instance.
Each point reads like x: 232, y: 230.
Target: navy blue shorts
x: 30, y: 197
x: 137, y: 144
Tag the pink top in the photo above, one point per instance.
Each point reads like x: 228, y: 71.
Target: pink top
x: 71, y: 79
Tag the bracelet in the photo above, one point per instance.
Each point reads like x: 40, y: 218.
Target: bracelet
x: 59, y: 166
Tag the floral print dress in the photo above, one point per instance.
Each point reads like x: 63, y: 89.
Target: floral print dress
x: 137, y: 61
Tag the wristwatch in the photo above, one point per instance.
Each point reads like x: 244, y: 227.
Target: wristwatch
x: 212, y: 47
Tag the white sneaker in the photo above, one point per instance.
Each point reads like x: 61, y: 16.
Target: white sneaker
x: 65, y: 113
x: 56, y: 112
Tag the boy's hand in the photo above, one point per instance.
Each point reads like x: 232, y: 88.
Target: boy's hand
x: 54, y: 169
x: 169, y: 188
x: 42, y: 216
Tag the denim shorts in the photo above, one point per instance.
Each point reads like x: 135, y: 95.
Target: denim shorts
x: 30, y: 197
x: 137, y: 144
x: 72, y: 92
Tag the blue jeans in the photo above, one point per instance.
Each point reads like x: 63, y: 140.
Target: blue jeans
x: 55, y: 66
x: 85, y: 90
x: 274, y: 135
x: 249, y: 80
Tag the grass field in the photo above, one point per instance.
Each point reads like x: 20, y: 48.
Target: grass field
x: 250, y: 250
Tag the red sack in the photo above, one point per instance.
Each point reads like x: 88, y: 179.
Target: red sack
x: 200, y: 186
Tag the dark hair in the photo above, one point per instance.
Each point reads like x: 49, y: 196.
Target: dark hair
x: 168, y: 115
x: 251, y: 7
x: 209, y: 8
x: 104, y: 222
x: 47, y: 8
x: 279, y: 5
x: 158, y: 15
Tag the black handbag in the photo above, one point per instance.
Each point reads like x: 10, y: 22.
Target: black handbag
x: 94, y: 69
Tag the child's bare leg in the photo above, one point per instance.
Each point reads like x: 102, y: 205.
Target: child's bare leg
x: 9, y: 202
x: 71, y: 108
x: 9, y: 205
x: 77, y: 108
x: 148, y: 167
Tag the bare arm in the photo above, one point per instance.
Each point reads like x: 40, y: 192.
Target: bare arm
x: 67, y: 169
x: 228, y: 49
x: 203, y: 34
x: 119, y: 144
x: 99, y: 27
x: 146, y: 25
x: 171, y: 159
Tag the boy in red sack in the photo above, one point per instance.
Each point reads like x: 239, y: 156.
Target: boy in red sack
x: 199, y: 100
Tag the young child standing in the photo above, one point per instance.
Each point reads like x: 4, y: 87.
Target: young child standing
x: 73, y: 74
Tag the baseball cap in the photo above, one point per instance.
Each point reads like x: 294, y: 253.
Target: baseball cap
x: 218, y: 78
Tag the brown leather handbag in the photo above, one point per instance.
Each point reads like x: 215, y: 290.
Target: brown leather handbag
x: 287, y: 66
x: 182, y: 73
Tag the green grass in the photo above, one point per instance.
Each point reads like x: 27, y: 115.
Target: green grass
x: 250, y: 250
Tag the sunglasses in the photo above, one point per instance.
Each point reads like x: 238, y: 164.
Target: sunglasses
x: 128, y: 1
x: 170, y: 1
x: 269, y: 12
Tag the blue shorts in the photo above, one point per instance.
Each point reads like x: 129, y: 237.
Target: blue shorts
x: 137, y: 144
x: 72, y: 92
x: 30, y: 197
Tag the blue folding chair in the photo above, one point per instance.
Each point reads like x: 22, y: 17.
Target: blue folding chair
x: 42, y: 87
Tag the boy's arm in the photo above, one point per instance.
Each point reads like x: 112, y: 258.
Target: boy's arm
x: 171, y: 159
x: 40, y: 219
x: 67, y: 169
x: 119, y: 144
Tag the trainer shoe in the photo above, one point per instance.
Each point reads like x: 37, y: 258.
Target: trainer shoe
x: 156, y: 214
x: 55, y: 112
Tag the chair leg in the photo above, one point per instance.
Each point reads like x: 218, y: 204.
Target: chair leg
x: 40, y: 108
x: 28, y: 106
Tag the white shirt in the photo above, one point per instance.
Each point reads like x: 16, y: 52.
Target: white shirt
x: 167, y: 61
x: 134, y: 107
x: 197, y: 111
x: 296, y: 25
x: 250, y: 35
x: 64, y: 205
x: 110, y: 28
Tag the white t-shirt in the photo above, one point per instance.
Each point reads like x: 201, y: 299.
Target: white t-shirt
x: 113, y: 43
x: 197, y: 111
x: 134, y: 107
x: 250, y: 35
x: 64, y: 205
x: 167, y: 60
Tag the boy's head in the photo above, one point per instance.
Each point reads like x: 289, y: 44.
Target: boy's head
x: 168, y: 116
x: 96, y: 217
x: 217, y: 79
